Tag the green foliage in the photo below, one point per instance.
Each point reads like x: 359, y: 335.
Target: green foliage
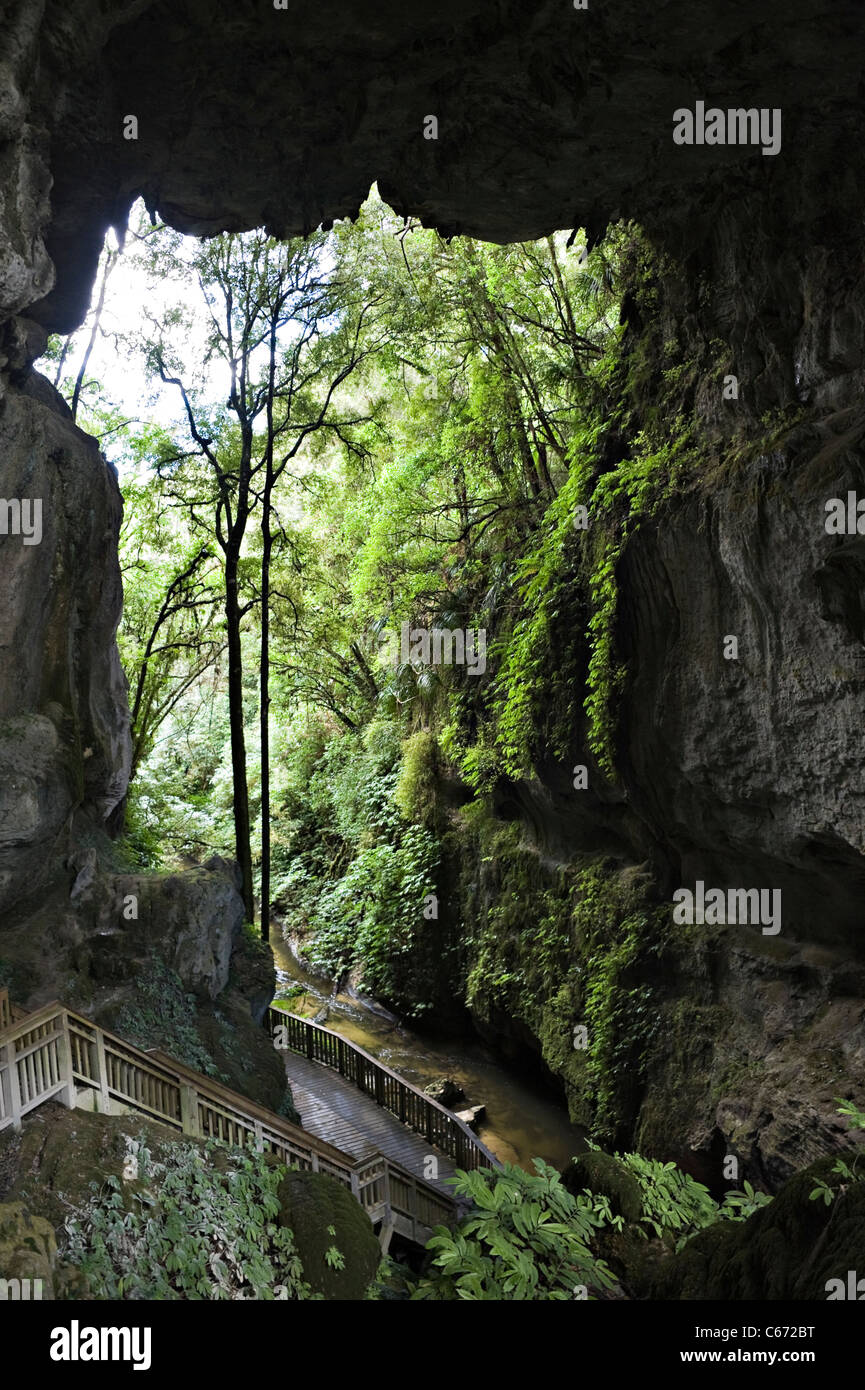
x: 163, y: 1015
x: 526, y: 1239
x: 416, y: 791
x: 144, y: 839
x: 521, y: 940
x: 739, y: 1205
x: 334, y: 1258
x: 619, y: 938
x: 539, y: 667
x: 357, y: 872
x: 825, y: 1191
x: 370, y: 915
x: 180, y: 801
x: 674, y: 1205
x: 605, y: 677
x: 171, y: 636
x: 582, y: 950
x: 186, y: 1229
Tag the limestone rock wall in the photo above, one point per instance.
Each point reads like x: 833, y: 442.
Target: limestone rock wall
x: 64, y: 723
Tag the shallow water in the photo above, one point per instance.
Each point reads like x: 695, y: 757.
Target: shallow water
x: 524, y: 1120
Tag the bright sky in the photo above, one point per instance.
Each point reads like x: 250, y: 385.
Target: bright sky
x: 117, y: 360
x: 131, y: 294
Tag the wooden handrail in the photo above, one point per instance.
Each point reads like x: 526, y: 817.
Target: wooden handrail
x: 53, y: 1052
x: 440, y: 1126
x: 214, y: 1090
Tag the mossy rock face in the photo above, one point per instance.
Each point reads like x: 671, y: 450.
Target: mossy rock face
x: 787, y: 1250
x: 50, y: 1165
x: 288, y: 1110
x: 606, y: 1176
x: 312, y: 1202
x: 28, y: 1249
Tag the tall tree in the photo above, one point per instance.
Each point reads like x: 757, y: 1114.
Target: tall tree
x: 290, y: 333
x: 168, y: 637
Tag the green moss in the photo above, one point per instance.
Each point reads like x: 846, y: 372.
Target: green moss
x: 618, y: 935
x: 323, y: 1216
x: 737, y: 1076
x: 771, y: 947
x: 416, y: 792
x: 605, y: 1175
x: 683, y: 1053
x: 555, y: 952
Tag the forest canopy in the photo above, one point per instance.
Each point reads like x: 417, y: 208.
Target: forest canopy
x: 364, y: 431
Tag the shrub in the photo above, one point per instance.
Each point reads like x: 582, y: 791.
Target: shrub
x: 526, y: 1238
x: 187, y: 1230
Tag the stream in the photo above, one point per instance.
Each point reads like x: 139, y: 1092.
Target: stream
x: 523, y: 1121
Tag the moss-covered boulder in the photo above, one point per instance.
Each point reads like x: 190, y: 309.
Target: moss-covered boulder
x: 323, y: 1215
x: 787, y: 1250
x: 51, y: 1164
x: 631, y: 1253
x: 609, y: 1178
x: 28, y: 1252
x: 28, y: 1249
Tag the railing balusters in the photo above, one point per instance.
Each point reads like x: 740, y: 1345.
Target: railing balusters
x: 414, y: 1109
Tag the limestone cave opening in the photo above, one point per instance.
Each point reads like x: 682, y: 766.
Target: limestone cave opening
x: 418, y: 428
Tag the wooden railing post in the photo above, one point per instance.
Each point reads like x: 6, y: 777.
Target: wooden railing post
x: 14, y: 1088
x: 189, y: 1109
x: 102, y: 1071
x: 309, y: 1041
x: 64, y: 1051
x: 388, y: 1217
x: 414, y: 1208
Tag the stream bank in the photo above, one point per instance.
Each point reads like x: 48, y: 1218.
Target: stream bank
x: 524, y: 1119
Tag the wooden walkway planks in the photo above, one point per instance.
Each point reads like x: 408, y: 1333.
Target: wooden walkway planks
x: 334, y: 1109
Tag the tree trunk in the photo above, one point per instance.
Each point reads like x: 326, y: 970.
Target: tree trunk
x: 111, y: 257
x: 238, y: 740
x: 264, y: 709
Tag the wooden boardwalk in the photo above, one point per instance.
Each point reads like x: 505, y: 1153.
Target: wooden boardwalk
x: 53, y: 1053
x: 333, y: 1109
